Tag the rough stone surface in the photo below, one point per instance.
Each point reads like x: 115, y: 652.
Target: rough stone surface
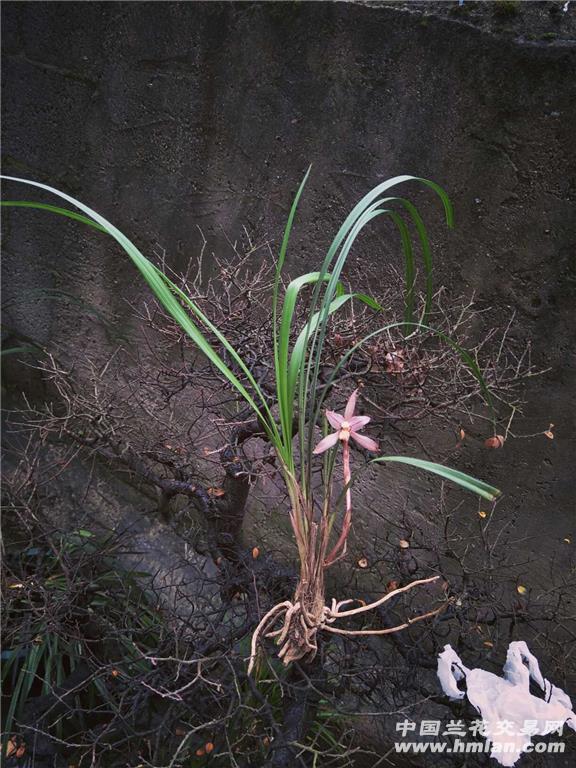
x: 166, y: 117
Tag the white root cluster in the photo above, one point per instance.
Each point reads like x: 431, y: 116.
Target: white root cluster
x: 297, y: 636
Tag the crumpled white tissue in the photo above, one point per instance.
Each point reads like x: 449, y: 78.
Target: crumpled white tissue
x: 508, y: 699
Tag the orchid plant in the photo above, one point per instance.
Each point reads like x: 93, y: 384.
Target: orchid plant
x: 300, y: 400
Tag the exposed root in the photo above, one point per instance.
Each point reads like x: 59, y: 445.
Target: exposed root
x: 261, y: 629
x: 297, y: 636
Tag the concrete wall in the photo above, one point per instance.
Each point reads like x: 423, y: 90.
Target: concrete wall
x: 170, y: 116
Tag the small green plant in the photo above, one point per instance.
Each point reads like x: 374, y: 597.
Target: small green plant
x: 506, y: 9
x: 300, y: 398
x: 69, y: 611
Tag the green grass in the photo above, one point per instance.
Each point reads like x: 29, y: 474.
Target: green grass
x: 53, y: 590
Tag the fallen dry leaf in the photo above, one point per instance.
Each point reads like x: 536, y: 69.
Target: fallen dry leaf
x: 11, y: 748
x: 200, y: 752
x: 521, y: 589
x: 482, y: 513
x: 208, y: 747
x: 339, y: 341
x: 495, y: 442
x: 255, y: 553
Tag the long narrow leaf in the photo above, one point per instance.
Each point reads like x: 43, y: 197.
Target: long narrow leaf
x: 16, y: 350
x: 285, y: 409
x: 426, y: 250
x: 164, y: 291
x: 285, y: 402
x: 308, y: 383
x: 361, y: 208
x: 299, y: 349
x: 287, y: 373
x: 466, y: 357
x: 307, y: 390
x: 454, y: 475
x: 53, y: 209
x: 270, y: 425
x: 409, y: 267
x: 15, y: 701
x: 32, y: 662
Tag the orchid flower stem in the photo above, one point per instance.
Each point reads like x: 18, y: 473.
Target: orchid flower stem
x: 340, y: 547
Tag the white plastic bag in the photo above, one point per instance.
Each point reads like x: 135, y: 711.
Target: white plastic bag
x: 507, y: 700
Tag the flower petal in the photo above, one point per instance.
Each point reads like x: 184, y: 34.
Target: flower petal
x: 350, y: 406
x: 334, y: 419
x: 365, y: 442
x: 326, y: 442
x: 357, y: 422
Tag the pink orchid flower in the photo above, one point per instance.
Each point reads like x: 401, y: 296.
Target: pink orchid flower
x: 346, y: 426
